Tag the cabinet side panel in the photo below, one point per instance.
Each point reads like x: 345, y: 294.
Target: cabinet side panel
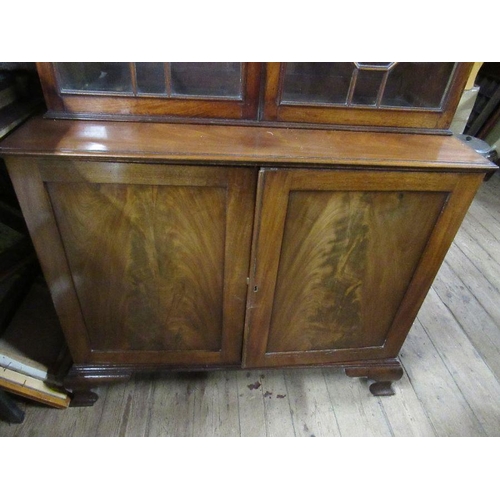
x: 347, y: 260
x: 37, y: 211
x: 147, y: 262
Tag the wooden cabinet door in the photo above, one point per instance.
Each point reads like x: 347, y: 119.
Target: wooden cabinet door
x: 408, y: 95
x: 342, y: 261
x: 162, y: 90
x: 147, y: 264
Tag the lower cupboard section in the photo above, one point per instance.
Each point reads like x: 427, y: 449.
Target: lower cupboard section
x: 155, y: 267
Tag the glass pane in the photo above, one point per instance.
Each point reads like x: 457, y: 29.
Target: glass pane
x: 150, y: 78
x: 419, y: 85
x: 317, y: 82
x: 206, y: 79
x: 367, y: 87
x: 102, y: 77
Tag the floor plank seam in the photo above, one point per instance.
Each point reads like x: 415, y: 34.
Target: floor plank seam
x: 147, y: 431
x: 265, y: 411
x: 125, y: 413
x: 464, y: 330
x: 473, y: 218
x: 150, y: 398
x: 490, y: 206
x: 480, y: 271
x: 453, y: 378
x: 488, y: 263
x: 481, y: 214
x: 477, y: 239
x: 289, y: 405
x: 238, y: 403
x: 331, y: 402
x: 471, y: 290
x: 489, y: 209
x: 193, y: 412
x: 422, y: 403
x: 384, y: 413
x: 103, y: 406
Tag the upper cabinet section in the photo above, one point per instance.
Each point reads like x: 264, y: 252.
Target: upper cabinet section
x: 372, y: 94
x: 381, y: 94
x: 196, y: 90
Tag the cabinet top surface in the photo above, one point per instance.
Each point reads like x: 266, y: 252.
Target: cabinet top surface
x: 216, y: 144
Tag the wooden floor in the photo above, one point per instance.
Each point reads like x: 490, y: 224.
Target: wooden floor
x: 450, y: 387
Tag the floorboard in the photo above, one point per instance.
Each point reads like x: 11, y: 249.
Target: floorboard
x: 313, y: 413
x: 446, y: 407
x: 251, y: 404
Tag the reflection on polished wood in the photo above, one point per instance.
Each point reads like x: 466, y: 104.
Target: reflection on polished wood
x: 163, y: 142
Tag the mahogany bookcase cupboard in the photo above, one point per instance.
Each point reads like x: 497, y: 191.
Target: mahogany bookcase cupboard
x: 192, y: 216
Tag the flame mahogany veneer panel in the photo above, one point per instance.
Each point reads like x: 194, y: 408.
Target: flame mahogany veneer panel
x: 347, y: 259
x: 147, y: 262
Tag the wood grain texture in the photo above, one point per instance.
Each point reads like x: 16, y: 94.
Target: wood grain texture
x: 434, y: 253
x: 346, y: 261
x: 147, y: 262
x: 162, y: 142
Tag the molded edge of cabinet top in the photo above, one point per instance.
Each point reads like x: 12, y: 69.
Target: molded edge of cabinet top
x: 164, y: 142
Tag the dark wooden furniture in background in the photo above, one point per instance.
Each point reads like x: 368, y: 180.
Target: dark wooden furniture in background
x: 197, y: 246
x: 486, y: 111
